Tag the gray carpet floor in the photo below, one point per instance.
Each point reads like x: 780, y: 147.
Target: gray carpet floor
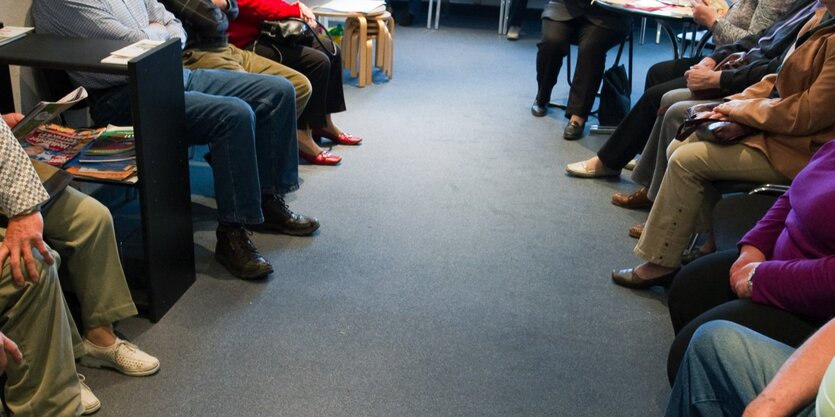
x: 458, y: 271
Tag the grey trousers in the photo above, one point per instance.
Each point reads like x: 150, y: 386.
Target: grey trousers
x: 687, y: 194
x: 35, y: 316
x: 653, y: 163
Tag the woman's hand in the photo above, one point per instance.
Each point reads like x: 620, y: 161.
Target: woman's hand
x: 308, y: 15
x: 749, y: 258
x: 726, y: 107
x: 704, y: 14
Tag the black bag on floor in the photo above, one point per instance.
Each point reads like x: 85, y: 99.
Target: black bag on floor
x: 615, y: 94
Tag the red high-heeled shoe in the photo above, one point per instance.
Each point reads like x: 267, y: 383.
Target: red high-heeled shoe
x: 342, y: 138
x: 323, y: 158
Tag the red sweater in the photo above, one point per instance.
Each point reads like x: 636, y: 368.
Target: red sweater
x: 245, y: 29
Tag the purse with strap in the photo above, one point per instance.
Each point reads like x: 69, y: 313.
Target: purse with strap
x: 291, y: 31
x: 724, y: 132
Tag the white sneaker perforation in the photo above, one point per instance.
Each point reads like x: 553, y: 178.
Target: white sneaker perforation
x: 122, y: 356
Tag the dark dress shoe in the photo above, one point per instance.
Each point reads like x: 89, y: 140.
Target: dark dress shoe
x: 236, y: 252
x: 629, y: 279
x: 573, y: 131
x: 539, y: 110
x: 279, y: 218
x: 636, y: 200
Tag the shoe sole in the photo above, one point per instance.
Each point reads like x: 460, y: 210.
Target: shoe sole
x: 240, y: 273
x: 99, y: 363
x: 301, y: 232
x: 91, y: 410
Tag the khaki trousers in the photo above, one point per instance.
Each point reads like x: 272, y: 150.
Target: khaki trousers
x: 81, y: 230
x: 687, y: 194
x: 35, y: 317
x: 235, y: 59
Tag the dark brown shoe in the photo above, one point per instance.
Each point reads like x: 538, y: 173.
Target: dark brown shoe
x: 236, y: 252
x: 636, y: 200
x: 279, y: 218
x: 637, y: 230
x: 629, y: 279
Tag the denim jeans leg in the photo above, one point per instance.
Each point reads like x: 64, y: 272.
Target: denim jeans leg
x: 272, y: 101
x: 725, y: 367
x: 227, y: 125
x: 275, y: 137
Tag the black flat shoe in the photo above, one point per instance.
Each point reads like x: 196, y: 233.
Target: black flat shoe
x: 538, y: 110
x: 629, y: 279
x: 573, y: 131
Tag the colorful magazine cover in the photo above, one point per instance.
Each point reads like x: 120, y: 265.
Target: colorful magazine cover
x: 56, y: 144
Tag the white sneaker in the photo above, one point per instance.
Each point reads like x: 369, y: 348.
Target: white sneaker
x: 89, y: 401
x: 630, y: 166
x: 123, y: 356
x: 513, y: 33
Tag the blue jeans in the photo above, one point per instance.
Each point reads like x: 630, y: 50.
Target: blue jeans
x: 248, y: 121
x: 726, y: 366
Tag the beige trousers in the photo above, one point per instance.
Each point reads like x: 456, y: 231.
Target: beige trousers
x: 81, y: 230
x: 37, y: 319
x: 687, y: 194
x: 235, y: 59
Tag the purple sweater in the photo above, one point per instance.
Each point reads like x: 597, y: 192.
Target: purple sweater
x: 797, y: 236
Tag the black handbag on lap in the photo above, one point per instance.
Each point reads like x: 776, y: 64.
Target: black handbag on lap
x: 291, y: 31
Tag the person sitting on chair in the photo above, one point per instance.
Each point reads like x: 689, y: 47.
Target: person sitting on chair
x: 781, y: 281
x: 595, y: 31
x: 730, y: 370
x: 763, y: 54
x: 38, y: 337
x: 248, y: 120
x: 789, y: 129
x: 321, y: 63
x: 208, y: 47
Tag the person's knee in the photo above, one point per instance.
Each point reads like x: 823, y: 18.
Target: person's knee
x: 684, y: 156
x: 94, y: 215
x: 712, y: 338
x: 554, y: 43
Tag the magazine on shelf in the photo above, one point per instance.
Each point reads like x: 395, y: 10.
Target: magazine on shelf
x: 11, y: 33
x: 111, y: 156
x: 122, y: 56
x: 45, y: 111
x: 114, y: 171
x: 349, y: 6
x: 56, y: 144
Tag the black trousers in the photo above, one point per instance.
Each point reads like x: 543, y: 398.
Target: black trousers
x: 517, y: 12
x: 632, y: 133
x: 701, y: 292
x: 323, y: 71
x: 593, y: 42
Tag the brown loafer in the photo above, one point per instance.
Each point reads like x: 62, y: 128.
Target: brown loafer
x: 637, y: 230
x: 636, y: 200
x: 629, y: 279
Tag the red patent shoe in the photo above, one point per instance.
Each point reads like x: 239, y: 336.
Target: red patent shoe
x: 323, y: 158
x: 342, y: 138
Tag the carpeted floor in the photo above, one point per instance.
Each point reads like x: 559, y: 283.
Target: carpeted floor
x: 458, y: 271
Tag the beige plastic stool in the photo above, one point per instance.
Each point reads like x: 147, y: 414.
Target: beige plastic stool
x: 362, y: 31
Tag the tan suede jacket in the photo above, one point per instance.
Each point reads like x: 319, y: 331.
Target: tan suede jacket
x: 795, y: 125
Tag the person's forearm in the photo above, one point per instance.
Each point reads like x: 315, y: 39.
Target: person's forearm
x: 801, y: 286
x: 797, y: 381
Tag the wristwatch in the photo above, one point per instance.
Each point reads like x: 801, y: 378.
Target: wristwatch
x: 749, y: 280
